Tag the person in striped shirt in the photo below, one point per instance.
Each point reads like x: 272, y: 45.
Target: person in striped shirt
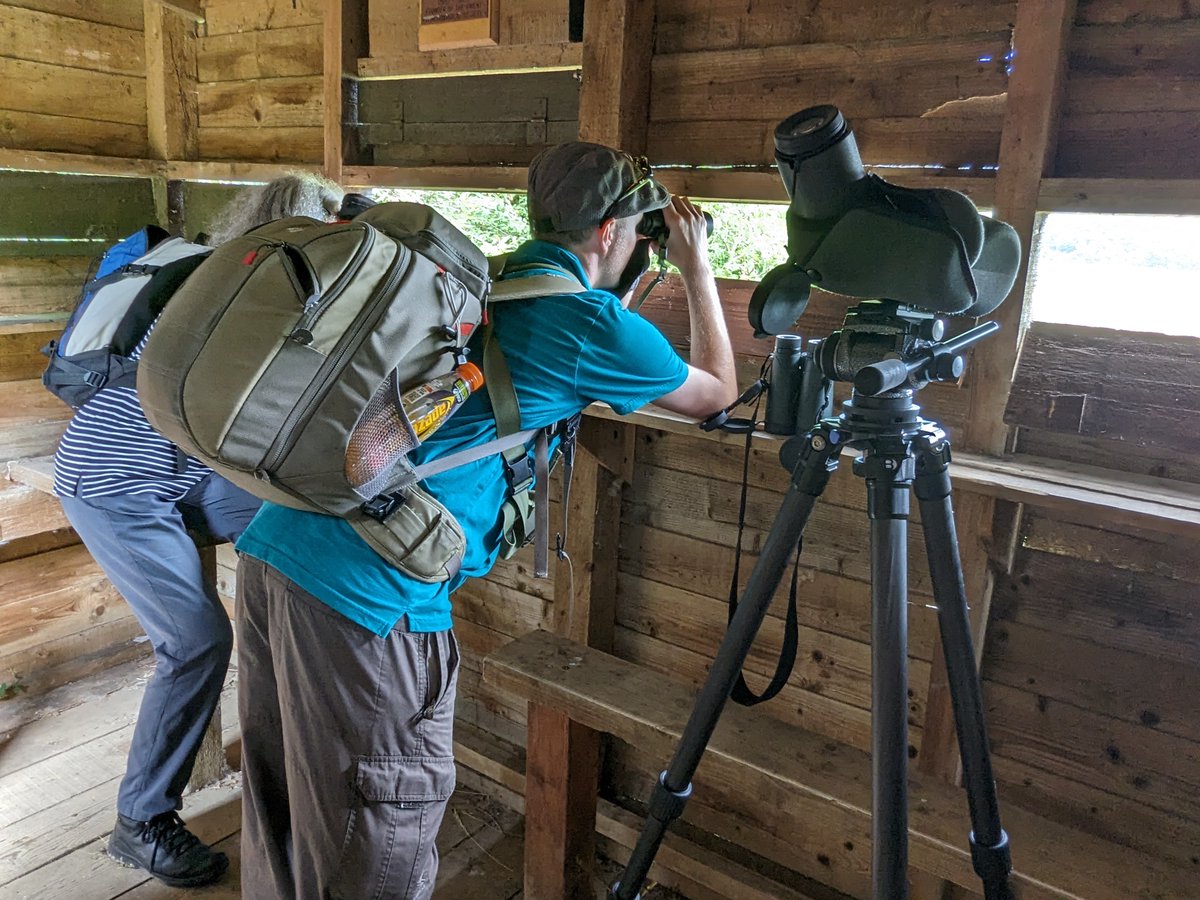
x: 133, y: 497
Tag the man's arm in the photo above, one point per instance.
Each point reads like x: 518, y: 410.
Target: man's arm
x: 712, y: 379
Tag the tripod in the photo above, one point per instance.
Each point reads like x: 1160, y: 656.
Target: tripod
x: 900, y: 451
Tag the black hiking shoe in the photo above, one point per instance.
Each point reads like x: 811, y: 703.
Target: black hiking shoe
x: 167, y: 850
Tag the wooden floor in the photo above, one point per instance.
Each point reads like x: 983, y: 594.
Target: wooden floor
x: 61, y: 758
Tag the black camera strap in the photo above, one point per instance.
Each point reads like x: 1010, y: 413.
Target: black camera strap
x: 741, y: 692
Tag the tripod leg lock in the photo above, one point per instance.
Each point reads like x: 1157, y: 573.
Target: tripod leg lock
x: 667, y: 805
x: 992, y: 864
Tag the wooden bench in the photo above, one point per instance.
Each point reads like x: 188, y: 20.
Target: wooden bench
x: 821, y: 789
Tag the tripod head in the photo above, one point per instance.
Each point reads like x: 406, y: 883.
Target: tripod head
x: 885, y: 349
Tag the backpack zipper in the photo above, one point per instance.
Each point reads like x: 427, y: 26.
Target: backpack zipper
x: 319, y: 386
x: 302, y: 333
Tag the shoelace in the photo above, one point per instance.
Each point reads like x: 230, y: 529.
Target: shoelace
x: 171, y: 832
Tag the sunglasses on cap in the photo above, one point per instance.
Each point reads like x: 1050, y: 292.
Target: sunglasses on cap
x: 642, y: 165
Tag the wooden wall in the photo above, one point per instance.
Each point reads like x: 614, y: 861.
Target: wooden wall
x: 259, y: 68
x: 56, y: 53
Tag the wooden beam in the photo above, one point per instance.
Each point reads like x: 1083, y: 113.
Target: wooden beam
x: 614, y: 99
x: 345, y: 41
x: 187, y: 9
x: 1027, y: 143
x: 562, y: 769
x: 987, y: 530
x: 172, y: 112
x: 1162, y: 196
x: 1117, y: 195
x: 563, y: 757
x: 1155, y: 504
x: 506, y: 59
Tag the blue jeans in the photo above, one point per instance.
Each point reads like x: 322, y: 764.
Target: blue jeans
x: 142, y: 544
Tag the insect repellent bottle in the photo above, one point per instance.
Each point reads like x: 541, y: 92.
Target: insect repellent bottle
x: 430, y: 404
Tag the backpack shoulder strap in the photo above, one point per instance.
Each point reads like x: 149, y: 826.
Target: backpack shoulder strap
x: 545, y: 279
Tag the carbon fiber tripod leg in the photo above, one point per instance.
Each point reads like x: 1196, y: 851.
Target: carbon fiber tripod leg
x: 989, y: 843
x: 818, y: 460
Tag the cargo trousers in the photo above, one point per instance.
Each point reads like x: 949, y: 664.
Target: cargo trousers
x: 347, y: 747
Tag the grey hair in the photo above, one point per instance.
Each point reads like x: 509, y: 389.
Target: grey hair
x: 299, y: 194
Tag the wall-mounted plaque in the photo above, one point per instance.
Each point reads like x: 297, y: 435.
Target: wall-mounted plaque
x: 446, y: 24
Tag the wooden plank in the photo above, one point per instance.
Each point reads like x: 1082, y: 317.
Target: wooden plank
x: 533, y: 22
x: 45, y: 37
x: 120, y: 13
x: 393, y: 28
x: 1135, y: 48
x: 20, y: 350
x: 1142, y: 689
x: 1165, y: 196
x: 1140, y: 612
x: 251, y: 55
x: 275, y: 102
x: 188, y: 9
x: 1141, y: 765
x: 952, y: 146
x: 59, y: 210
x: 614, y: 103
x: 1025, y: 478
x: 922, y: 75
x: 827, y: 861
x: 498, y: 60
x: 76, y: 656
x: 826, y: 664
x: 299, y: 144
x: 1137, y: 145
x: 37, y: 87
x: 814, y: 712
x: 684, y: 26
x: 213, y: 815
x: 25, y: 511
x: 40, y: 286
x: 224, y: 16
x: 171, y: 110
x: 37, y: 133
x: 344, y: 41
x: 761, y: 754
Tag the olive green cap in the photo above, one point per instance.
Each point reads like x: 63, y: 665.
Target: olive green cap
x: 578, y: 185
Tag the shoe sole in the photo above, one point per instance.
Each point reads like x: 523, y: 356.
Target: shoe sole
x: 193, y: 881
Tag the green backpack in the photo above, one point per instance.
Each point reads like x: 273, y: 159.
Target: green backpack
x: 280, y: 362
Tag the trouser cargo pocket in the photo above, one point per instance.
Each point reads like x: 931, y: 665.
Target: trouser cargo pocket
x: 395, y: 813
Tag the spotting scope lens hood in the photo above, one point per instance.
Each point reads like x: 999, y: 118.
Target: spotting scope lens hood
x: 853, y: 233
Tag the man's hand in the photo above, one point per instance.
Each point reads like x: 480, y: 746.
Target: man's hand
x: 687, y: 244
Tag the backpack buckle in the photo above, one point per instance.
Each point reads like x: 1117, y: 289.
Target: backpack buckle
x: 95, y: 379
x: 519, y: 474
x: 381, y: 506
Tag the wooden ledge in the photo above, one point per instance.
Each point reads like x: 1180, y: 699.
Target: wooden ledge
x: 500, y: 60
x: 1156, y: 504
x: 821, y: 789
x: 37, y: 473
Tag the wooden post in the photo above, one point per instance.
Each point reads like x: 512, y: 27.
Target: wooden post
x: 988, y: 529
x: 345, y: 41
x: 562, y: 764
x: 614, y: 99
x: 210, y: 761
x: 172, y: 107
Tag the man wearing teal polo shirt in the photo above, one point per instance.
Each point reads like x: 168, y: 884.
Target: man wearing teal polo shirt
x: 347, y: 667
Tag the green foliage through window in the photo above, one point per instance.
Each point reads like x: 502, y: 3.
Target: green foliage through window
x: 748, y: 239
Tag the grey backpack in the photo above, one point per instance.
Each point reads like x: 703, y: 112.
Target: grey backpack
x: 281, y: 360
